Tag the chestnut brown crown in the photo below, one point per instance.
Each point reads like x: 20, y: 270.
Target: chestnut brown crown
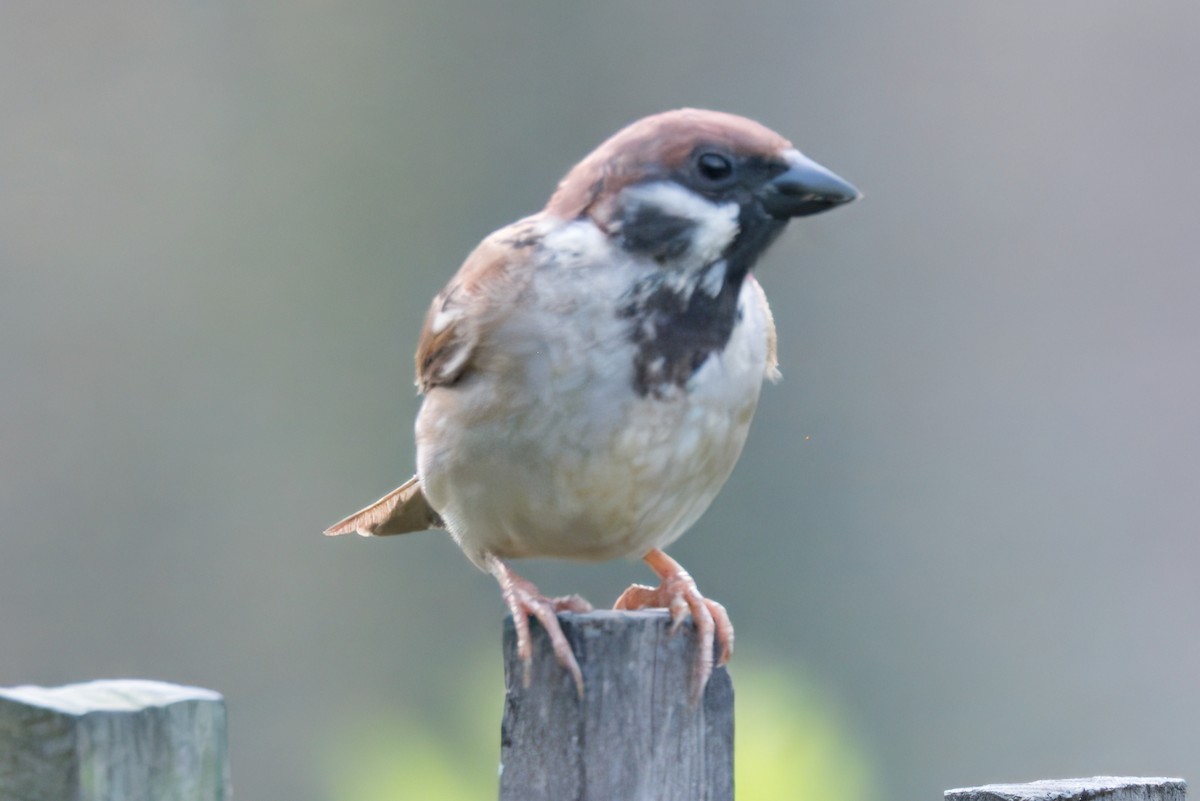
x: 657, y: 146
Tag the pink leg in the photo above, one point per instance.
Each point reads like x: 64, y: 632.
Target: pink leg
x: 523, y: 599
x: 678, y: 593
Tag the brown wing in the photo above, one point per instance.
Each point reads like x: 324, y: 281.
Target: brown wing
x: 402, y: 510
x: 482, y: 292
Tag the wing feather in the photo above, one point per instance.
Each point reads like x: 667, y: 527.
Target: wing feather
x: 480, y: 294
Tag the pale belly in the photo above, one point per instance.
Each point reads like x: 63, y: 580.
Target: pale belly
x: 562, y: 459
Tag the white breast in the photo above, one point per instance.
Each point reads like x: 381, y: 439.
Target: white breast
x: 550, y: 452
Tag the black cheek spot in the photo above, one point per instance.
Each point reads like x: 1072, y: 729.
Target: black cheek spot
x: 649, y: 231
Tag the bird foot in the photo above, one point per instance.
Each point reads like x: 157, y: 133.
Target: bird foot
x: 677, y: 592
x: 523, y: 599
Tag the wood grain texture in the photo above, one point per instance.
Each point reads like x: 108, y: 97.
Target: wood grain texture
x: 123, y: 740
x: 634, y: 735
x: 1097, y: 788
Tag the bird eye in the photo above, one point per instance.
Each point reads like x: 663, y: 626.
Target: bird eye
x: 714, y: 167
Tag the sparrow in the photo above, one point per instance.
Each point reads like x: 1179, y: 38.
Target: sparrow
x: 590, y: 373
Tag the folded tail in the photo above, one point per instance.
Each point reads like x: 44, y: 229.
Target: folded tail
x: 402, y: 510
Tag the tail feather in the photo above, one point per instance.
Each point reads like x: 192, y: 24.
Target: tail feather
x: 401, y: 511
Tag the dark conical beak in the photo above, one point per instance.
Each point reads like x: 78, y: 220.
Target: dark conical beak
x: 805, y: 188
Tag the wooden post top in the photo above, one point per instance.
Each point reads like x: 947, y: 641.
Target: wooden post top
x: 1097, y: 788
x: 634, y: 735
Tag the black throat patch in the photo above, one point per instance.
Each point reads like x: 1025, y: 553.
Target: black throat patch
x: 677, y: 326
x: 676, y: 329
x: 678, y: 320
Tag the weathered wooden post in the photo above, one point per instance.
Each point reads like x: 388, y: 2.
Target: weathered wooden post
x: 120, y: 740
x: 1097, y: 788
x: 634, y: 735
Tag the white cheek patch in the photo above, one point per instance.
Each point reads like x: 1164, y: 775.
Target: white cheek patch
x: 716, y: 224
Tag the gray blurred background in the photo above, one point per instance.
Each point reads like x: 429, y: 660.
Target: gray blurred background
x: 965, y: 523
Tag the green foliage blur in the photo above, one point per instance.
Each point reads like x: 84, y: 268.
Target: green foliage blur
x: 790, y: 742
x: 452, y: 755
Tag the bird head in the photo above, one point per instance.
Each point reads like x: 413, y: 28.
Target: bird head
x: 693, y: 187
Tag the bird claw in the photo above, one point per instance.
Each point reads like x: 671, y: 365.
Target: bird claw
x: 678, y: 594
x: 523, y: 600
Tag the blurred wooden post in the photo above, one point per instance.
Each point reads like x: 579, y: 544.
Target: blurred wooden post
x: 1097, y: 788
x: 113, y: 741
x: 634, y: 735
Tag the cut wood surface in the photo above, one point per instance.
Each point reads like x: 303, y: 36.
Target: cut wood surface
x: 121, y: 740
x: 1097, y: 788
x: 634, y: 735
